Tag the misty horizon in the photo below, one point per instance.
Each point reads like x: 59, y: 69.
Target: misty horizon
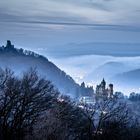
x: 70, y: 70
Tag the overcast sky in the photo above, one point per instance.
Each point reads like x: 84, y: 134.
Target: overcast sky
x: 41, y: 24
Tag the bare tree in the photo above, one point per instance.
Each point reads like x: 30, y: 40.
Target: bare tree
x: 22, y: 100
x: 104, y: 114
x: 64, y: 122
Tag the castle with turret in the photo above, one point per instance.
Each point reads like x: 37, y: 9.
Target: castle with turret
x: 102, y: 91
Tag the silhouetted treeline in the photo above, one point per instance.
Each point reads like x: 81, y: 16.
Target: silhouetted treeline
x: 32, y: 109
x: 10, y: 48
x: 134, y: 97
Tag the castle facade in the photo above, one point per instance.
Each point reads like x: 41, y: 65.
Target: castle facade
x: 102, y: 91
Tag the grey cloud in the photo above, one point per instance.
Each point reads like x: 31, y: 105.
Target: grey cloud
x: 8, y: 16
x: 98, y: 6
x: 95, y: 11
x: 74, y: 16
x: 62, y: 19
x: 64, y: 24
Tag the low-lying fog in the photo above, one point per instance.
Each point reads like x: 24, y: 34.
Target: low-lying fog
x: 122, y: 71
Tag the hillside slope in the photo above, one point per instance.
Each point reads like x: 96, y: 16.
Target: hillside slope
x: 129, y: 78
x: 20, y: 60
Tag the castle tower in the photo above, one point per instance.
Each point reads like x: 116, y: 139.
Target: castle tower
x: 102, y: 91
x: 97, y: 90
x: 103, y: 84
x: 110, y: 90
x: 9, y: 45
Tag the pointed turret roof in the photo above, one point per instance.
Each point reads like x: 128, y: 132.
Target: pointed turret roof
x: 103, y: 81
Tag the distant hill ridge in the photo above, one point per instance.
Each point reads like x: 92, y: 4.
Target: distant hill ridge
x: 9, y: 48
x: 20, y: 60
